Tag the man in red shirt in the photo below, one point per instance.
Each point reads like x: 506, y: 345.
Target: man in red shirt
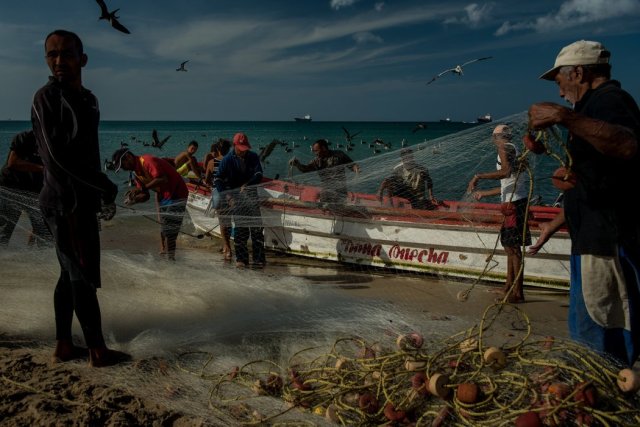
x: 154, y: 173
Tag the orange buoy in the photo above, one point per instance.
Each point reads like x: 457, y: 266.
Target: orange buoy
x: 563, y: 179
x: 420, y: 383
x: 533, y: 144
x: 587, y: 394
x: 368, y: 403
x: 559, y: 390
x: 393, y: 414
x: 468, y: 392
x: 529, y: 419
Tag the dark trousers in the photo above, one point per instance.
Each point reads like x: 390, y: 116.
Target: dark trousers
x: 248, y: 223
x: 10, y: 211
x: 78, y: 248
x: 241, y: 235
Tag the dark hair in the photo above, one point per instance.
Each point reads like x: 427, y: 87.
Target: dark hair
x: 223, y: 146
x: 193, y: 143
x: 598, y: 70
x: 65, y: 33
x: 322, y: 143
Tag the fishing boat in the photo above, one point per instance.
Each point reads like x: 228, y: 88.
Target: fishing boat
x: 485, y: 119
x: 305, y: 118
x: 457, y: 240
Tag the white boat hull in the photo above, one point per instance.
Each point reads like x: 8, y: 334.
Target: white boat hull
x: 453, y: 250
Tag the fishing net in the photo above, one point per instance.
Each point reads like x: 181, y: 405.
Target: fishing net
x: 273, y: 347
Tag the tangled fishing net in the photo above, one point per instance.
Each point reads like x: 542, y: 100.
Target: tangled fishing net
x: 475, y: 377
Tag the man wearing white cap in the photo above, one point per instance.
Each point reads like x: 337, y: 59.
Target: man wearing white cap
x: 514, y: 196
x: 604, y: 127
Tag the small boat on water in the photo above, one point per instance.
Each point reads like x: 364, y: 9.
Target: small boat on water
x: 306, y: 118
x: 457, y: 240
x: 445, y: 120
x: 485, y: 119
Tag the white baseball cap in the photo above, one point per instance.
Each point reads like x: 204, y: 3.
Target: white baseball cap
x: 582, y: 52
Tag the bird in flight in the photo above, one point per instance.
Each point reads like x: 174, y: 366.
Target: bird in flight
x: 111, y: 17
x: 156, y: 141
x: 181, y: 68
x: 418, y: 127
x: 348, y: 136
x: 458, y: 68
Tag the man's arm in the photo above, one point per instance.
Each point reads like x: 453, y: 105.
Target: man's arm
x: 18, y: 164
x: 311, y: 166
x: 478, y: 195
x: 51, y: 136
x: 547, y: 229
x: 609, y: 139
x: 503, y: 172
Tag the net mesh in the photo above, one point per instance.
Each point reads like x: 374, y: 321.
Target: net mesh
x: 264, y: 349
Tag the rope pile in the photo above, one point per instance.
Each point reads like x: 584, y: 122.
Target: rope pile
x: 461, y: 380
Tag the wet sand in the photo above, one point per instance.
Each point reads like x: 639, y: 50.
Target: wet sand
x: 35, y: 392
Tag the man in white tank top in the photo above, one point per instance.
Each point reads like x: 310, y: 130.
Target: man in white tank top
x: 513, y: 192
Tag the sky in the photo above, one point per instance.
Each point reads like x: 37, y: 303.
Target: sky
x: 337, y: 60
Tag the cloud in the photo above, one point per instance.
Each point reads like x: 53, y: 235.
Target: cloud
x: 573, y: 13
x: 379, y: 6
x: 474, y: 15
x: 338, y: 4
x: 367, y: 37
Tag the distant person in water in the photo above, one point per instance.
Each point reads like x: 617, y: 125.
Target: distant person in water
x: 21, y: 180
x: 328, y: 163
x: 154, y: 173
x: 75, y: 190
x: 410, y: 181
x: 186, y: 161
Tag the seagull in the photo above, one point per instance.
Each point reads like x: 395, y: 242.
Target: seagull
x: 349, y: 136
x: 111, y: 17
x: 156, y: 141
x: 418, y: 127
x: 181, y: 68
x: 458, y: 68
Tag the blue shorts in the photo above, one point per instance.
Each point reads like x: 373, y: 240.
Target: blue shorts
x: 604, y: 304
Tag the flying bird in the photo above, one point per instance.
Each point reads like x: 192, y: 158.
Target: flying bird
x: 458, y: 68
x: 349, y: 136
x: 266, y: 151
x: 111, y: 17
x: 181, y: 68
x: 418, y: 127
x: 156, y: 141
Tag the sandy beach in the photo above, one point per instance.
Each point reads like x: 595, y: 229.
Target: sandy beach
x: 291, y: 305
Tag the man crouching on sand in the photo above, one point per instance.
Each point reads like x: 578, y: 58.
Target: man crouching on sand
x: 65, y: 119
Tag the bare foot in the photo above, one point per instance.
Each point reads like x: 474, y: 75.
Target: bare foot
x: 66, y: 351
x: 101, y: 357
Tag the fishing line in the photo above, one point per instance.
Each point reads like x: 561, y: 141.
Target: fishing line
x: 197, y: 236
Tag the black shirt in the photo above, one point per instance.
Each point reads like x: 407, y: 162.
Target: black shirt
x: 599, y: 210
x: 25, y: 147
x: 65, y: 123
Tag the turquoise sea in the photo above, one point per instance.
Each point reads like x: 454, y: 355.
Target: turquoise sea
x: 451, y: 168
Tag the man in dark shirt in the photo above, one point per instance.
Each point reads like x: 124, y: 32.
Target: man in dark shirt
x: 20, y: 183
x: 333, y: 177
x: 65, y: 119
x: 604, y: 127
x: 238, y: 173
